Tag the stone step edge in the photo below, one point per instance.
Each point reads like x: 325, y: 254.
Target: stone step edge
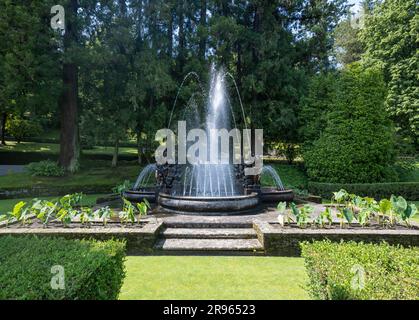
x: 208, y: 233
x: 204, y: 245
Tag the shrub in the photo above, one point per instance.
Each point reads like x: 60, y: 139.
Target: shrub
x: 346, y: 271
x: 46, y: 168
x: 21, y: 128
x: 357, y: 142
x: 92, y: 269
x: 409, y: 190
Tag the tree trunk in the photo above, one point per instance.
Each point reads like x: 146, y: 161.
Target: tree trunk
x: 3, y: 128
x: 139, y: 150
x: 69, y: 135
x: 69, y: 144
x: 115, y: 154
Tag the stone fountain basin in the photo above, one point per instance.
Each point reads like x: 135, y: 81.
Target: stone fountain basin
x: 140, y: 195
x: 269, y: 194
x: 209, y: 205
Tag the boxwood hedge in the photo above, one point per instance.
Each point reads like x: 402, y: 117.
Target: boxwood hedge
x: 347, y: 271
x: 28, y: 268
x: 409, y: 190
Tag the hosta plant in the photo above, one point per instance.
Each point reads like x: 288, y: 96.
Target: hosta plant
x: 104, y: 213
x: 302, y: 215
x: 403, y: 210
x: 324, y: 217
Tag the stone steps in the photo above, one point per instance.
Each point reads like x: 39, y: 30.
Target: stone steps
x: 208, y: 237
x: 200, y: 245
x: 209, y: 233
x: 208, y: 225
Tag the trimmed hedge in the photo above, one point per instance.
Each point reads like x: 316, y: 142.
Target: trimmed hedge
x: 349, y: 271
x: 93, y: 270
x: 409, y: 190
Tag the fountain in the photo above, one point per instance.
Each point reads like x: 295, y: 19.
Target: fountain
x: 207, y: 187
x: 145, y: 186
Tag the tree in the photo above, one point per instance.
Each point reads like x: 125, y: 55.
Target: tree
x: 69, y: 134
x: 28, y: 58
x: 390, y: 38
x: 357, y: 143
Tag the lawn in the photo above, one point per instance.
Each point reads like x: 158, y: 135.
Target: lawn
x: 53, y: 148
x: 292, y: 176
x: 8, y: 204
x: 214, y: 277
x: 104, y: 175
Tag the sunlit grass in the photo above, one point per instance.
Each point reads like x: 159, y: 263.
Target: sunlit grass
x: 214, y: 277
x: 54, y: 148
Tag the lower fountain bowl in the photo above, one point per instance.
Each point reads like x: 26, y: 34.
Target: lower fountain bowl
x: 140, y: 195
x: 209, y: 205
x: 276, y: 195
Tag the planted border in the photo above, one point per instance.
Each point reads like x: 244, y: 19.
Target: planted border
x: 409, y: 190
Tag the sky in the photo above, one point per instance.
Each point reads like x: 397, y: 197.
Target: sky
x: 357, y: 5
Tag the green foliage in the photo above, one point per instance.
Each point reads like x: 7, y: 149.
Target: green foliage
x: 281, y: 207
x: 67, y: 210
x: 126, y: 185
x: 324, y: 217
x: 357, y: 271
x: 390, y: 38
x: 21, y: 128
x: 46, y: 168
x: 409, y: 190
x: 356, y: 145
x: 402, y: 209
x: 302, y: 215
x: 93, y: 270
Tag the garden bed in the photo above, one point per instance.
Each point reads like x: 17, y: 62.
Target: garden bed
x: 352, y: 226
x: 140, y: 238
x: 285, y: 241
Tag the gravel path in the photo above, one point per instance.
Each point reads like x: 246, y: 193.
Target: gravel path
x: 6, y: 169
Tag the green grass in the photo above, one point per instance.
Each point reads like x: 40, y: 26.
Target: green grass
x: 291, y: 175
x: 8, y: 204
x: 216, y: 277
x: 54, y: 148
x: 86, y: 176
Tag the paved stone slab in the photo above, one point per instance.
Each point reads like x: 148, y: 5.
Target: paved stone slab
x: 212, y: 233
x: 209, y: 245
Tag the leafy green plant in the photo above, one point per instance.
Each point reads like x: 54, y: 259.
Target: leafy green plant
x: 281, y: 207
x: 86, y: 215
x: 46, y: 168
x: 143, y: 207
x: 324, y: 217
x: 104, y: 213
x: 21, y: 128
x: 385, y: 209
x: 44, y: 210
x: 126, y: 185
x: 128, y: 212
x: 302, y: 215
x: 404, y: 211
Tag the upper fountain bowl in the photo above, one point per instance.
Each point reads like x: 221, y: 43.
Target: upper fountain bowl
x: 209, y: 205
